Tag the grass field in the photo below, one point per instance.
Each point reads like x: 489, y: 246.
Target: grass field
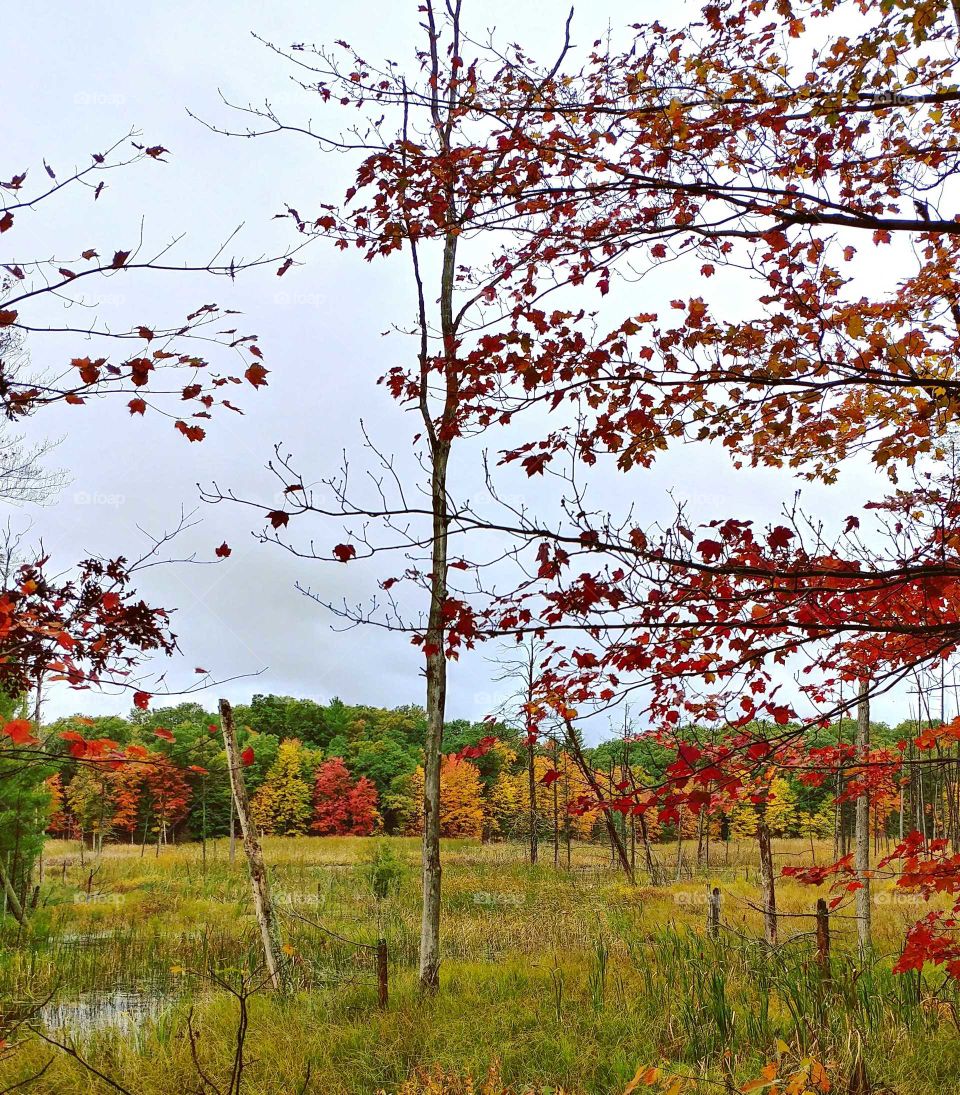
x: 555, y: 979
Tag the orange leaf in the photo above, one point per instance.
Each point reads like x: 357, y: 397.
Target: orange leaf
x: 20, y: 732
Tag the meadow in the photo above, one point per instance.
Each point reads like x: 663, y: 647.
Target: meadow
x: 552, y: 980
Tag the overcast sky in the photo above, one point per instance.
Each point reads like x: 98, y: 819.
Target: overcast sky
x: 81, y: 76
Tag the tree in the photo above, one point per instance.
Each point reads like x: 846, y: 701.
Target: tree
x: 342, y: 805
x: 713, y: 146
x: 461, y: 799
x: 126, y: 789
x: 91, y: 629
x: 26, y: 806
x: 457, y: 168
x: 60, y: 822
x: 91, y: 801
x: 167, y: 795
x: 282, y: 804
x: 523, y: 670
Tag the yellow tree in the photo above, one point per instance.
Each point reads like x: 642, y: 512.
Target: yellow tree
x: 282, y: 804
x: 506, y: 805
x: 461, y: 799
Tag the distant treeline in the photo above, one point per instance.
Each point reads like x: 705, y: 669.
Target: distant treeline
x: 337, y: 768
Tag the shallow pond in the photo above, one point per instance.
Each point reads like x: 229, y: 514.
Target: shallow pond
x: 123, y: 1010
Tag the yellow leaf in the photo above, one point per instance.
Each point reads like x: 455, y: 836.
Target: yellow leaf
x: 854, y: 325
x: 644, y: 1075
x: 639, y: 1077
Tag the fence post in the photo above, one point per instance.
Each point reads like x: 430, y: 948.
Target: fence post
x: 823, y: 937
x: 382, y: 986
x: 713, y: 913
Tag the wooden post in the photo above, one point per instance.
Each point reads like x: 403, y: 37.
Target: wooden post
x: 713, y: 913
x: 262, y: 905
x: 233, y: 834
x: 383, y: 994
x: 823, y: 938
x: 862, y: 856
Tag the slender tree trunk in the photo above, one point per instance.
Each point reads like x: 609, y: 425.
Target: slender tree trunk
x: 531, y: 667
x: 259, y: 883
x: 648, y: 852
x: 679, y: 842
x: 233, y: 833
x: 532, y: 791
x: 768, y: 893
x: 701, y: 837
x: 12, y: 901
x: 436, y: 669
x: 862, y: 852
x: 587, y: 772
x: 556, y: 807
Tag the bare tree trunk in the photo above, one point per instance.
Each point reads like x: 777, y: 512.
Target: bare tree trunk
x: 648, y: 852
x: 768, y: 893
x: 823, y: 937
x: 436, y: 671
x: 701, y: 833
x: 532, y: 791
x: 531, y: 743
x: 259, y: 884
x: 233, y: 833
x: 556, y: 810
x: 862, y: 853
x: 12, y: 901
x: 587, y: 772
x: 679, y: 841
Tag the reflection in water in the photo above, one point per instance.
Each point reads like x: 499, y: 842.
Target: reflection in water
x: 125, y: 1011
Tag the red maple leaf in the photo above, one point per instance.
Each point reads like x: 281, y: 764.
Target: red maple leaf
x: 20, y: 732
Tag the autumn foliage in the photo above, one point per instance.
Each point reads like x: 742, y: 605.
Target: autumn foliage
x: 342, y: 805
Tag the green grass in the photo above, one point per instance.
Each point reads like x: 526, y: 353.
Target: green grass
x: 560, y: 979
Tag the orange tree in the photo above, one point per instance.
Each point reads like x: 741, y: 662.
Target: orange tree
x: 777, y: 150
x: 804, y: 155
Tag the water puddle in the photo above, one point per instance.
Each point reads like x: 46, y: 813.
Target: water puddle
x: 122, y: 1010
